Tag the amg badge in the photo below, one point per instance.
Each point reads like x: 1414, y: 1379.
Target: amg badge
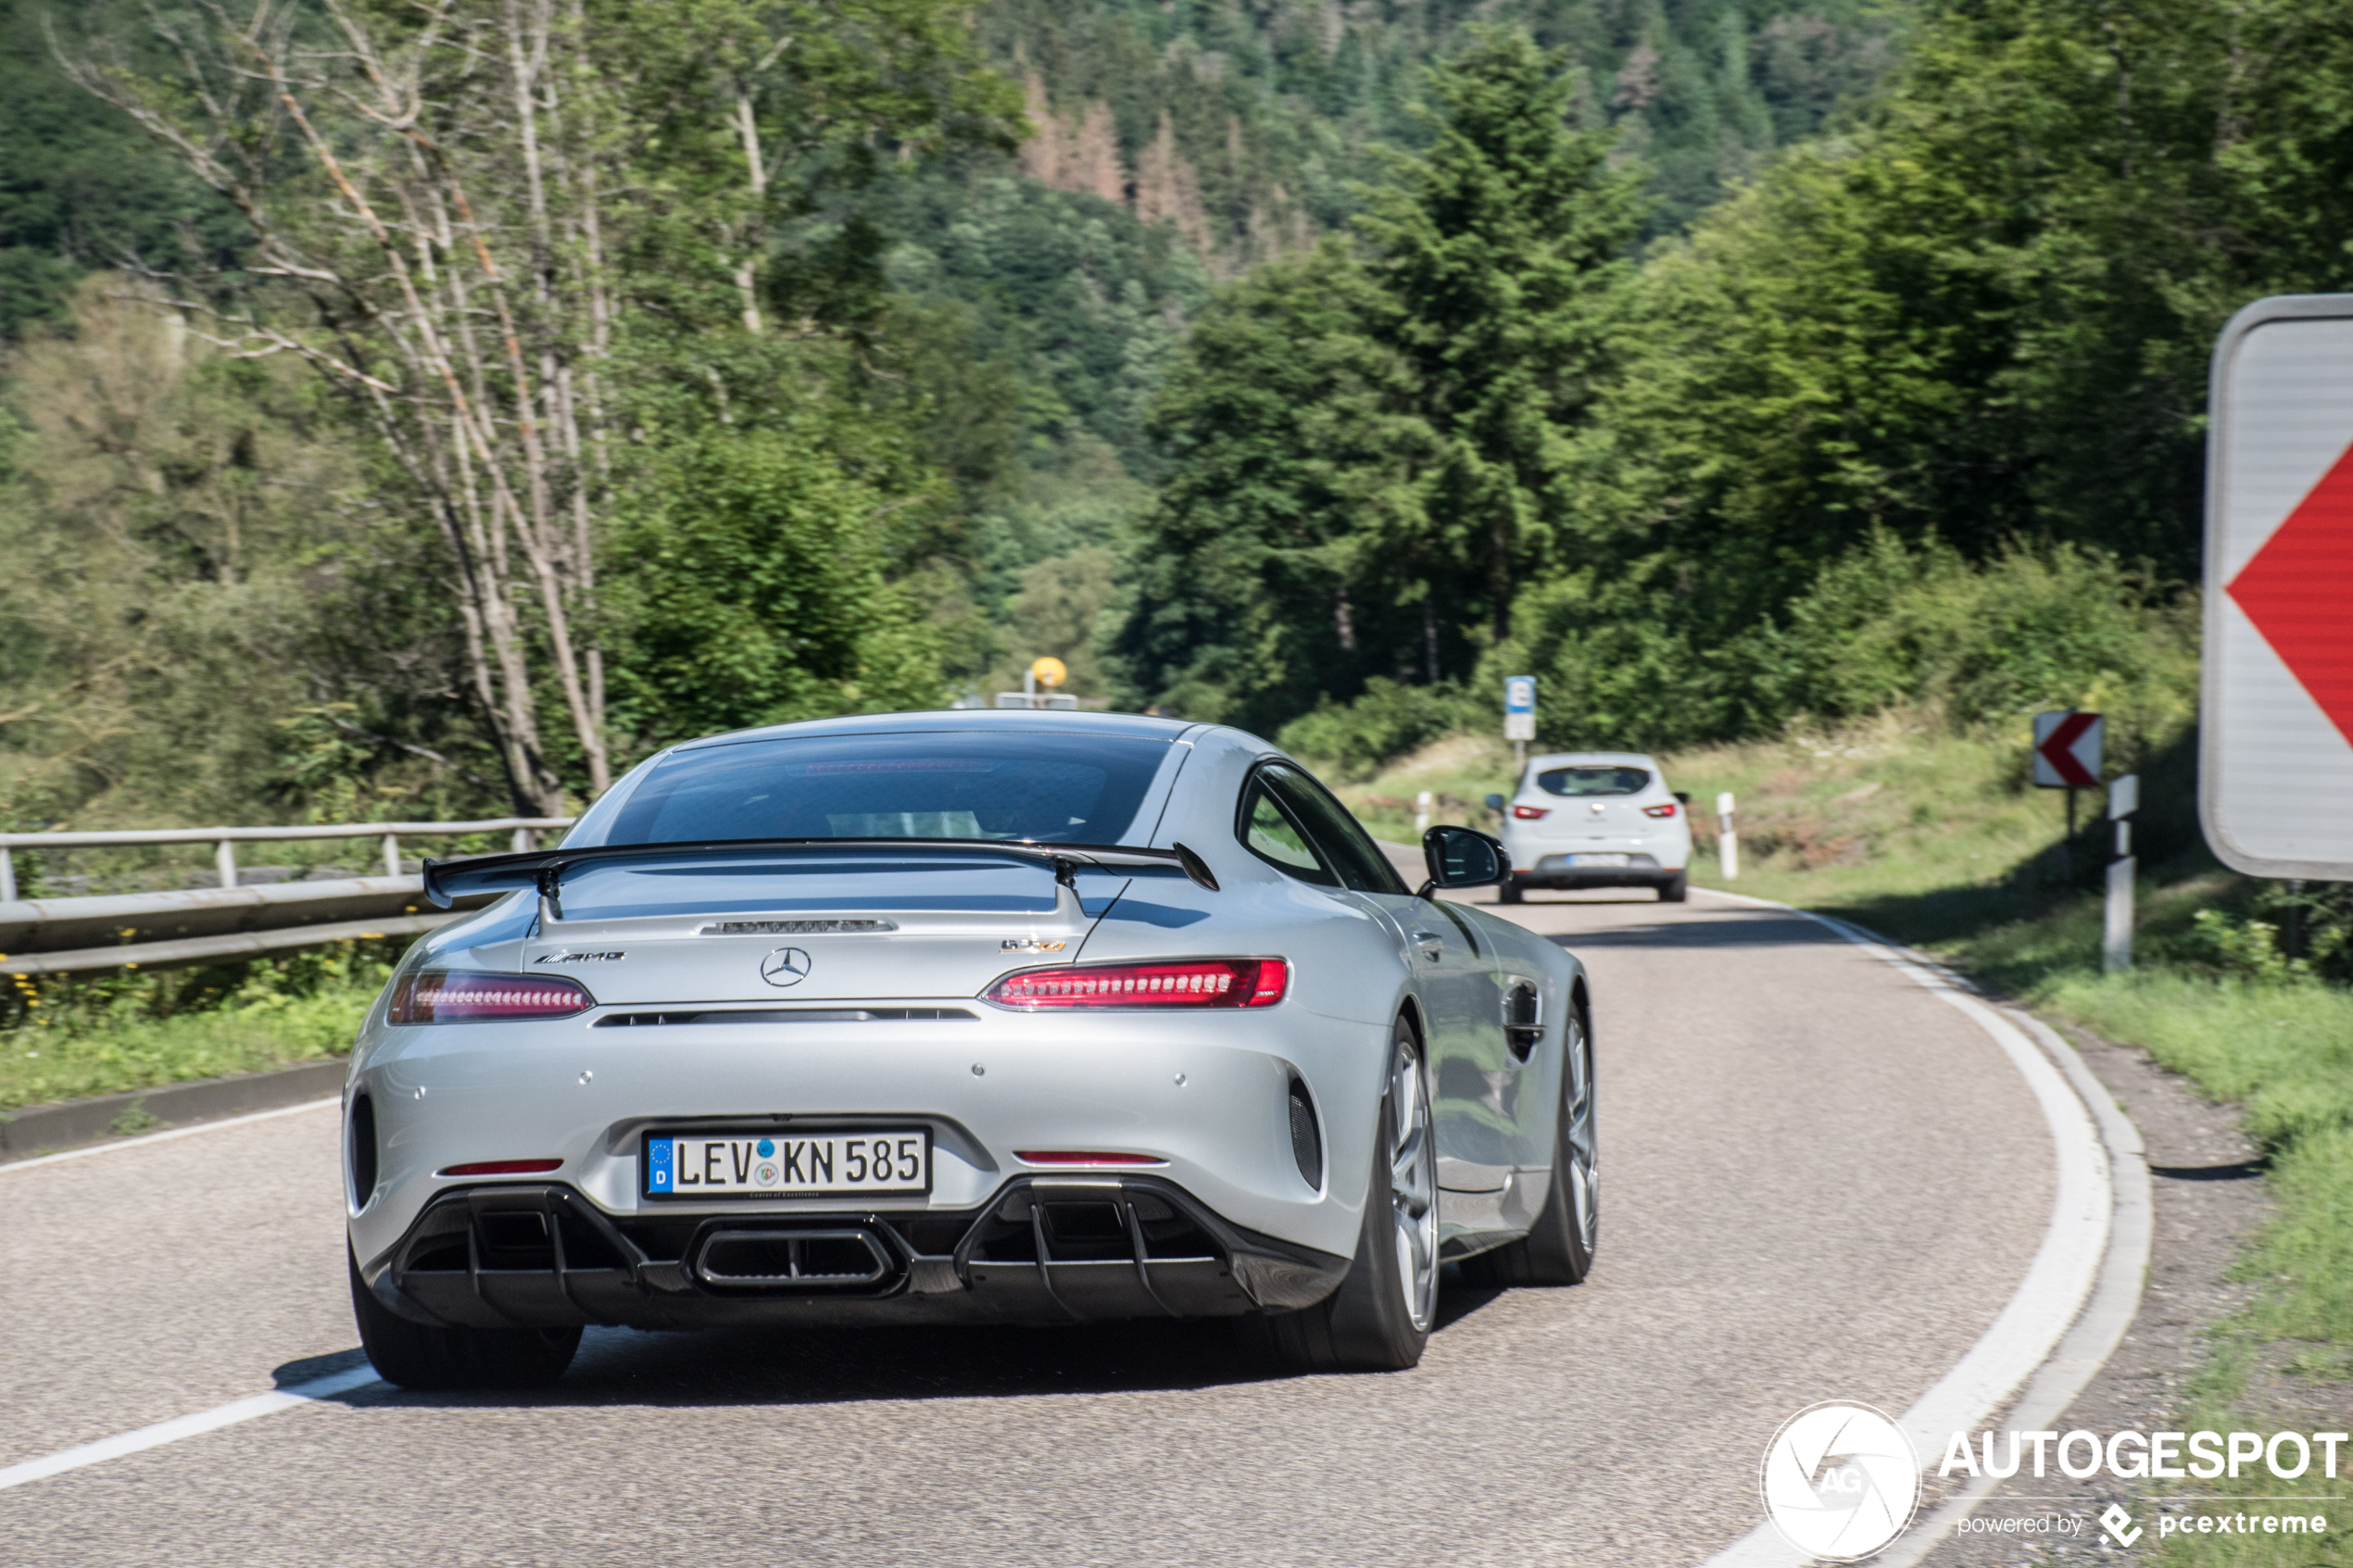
x: 1030, y: 945
x: 580, y: 957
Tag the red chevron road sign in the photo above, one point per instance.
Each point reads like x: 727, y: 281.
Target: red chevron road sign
x: 2276, y: 765
x: 2067, y: 750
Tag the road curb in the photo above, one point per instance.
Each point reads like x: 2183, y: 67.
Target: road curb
x: 46, y: 1129
x: 2094, y: 1326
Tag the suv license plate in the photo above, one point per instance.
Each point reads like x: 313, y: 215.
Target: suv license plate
x: 756, y: 1164
x: 1597, y: 860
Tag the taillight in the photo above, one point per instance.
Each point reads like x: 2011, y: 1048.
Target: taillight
x: 1191, y: 983
x: 465, y: 996
x: 1666, y: 811
x: 1530, y: 813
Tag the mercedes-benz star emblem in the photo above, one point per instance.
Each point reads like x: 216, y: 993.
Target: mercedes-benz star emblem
x: 786, y: 966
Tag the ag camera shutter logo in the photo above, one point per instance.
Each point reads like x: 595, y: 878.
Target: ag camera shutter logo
x: 1841, y: 1480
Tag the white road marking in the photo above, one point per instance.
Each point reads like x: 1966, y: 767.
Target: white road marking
x: 2073, y: 1257
x: 175, y: 1132
x: 172, y: 1431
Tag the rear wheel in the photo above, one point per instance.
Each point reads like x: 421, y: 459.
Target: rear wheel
x: 1559, y: 1248
x: 418, y: 1356
x: 1675, y: 889
x: 1508, y: 891
x: 1379, y: 1318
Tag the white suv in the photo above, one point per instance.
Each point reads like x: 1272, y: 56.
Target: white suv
x: 1595, y: 819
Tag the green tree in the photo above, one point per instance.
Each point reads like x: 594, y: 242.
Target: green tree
x: 1496, y: 254
x: 1370, y: 447
x: 757, y: 593
x: 1987, y: 313
x: 1292, y: 444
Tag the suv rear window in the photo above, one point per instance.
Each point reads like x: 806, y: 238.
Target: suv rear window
x: 1594, y: 781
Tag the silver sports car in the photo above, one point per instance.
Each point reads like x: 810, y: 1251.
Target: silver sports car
x: 993, y: 1017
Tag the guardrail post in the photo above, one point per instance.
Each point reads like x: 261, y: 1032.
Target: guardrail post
x: 1727, y: 841
x: 392, y: 854
x: 224, y: 855
x: 524, y: 841
x: 7, y: 877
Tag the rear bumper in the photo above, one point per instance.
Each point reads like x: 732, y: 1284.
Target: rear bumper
x: 1555, y: 871
x: 1043, y: 1250
x: 1206, y: 1095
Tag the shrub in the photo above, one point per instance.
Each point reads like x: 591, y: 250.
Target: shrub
x: 1357, y: 739
x: 1889, y: 623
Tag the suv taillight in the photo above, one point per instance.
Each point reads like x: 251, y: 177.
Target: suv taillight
x: 1530, y: 813
x: 1666, y: 811
x: 1187, y: 983
x: 468, y: 996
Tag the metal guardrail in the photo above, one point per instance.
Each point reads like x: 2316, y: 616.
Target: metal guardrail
x: 204, y: 924
x: 225, y: 840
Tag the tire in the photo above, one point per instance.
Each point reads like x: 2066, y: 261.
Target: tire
x: 1675, y: 889
x: 1508, y: 891
x: 442, y: 1360
x: 1559, y: 1248
x: 1380, y: 1317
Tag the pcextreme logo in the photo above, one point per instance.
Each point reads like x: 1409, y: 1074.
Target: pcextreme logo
x: 1840, y: 1480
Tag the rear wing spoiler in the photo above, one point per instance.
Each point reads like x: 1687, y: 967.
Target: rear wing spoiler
x: 447, y: 880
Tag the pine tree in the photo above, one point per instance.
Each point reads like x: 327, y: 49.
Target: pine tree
x: 1498, y: 251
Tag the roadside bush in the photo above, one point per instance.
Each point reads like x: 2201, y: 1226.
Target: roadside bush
x: 1355, y: 739
x: 68, y: 1036
x: 1890, y: 623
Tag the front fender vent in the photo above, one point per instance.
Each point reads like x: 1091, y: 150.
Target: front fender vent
x: 1523, y: 1017
x: 1306, y: 1139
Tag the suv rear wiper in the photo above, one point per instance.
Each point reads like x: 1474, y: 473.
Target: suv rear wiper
x: 447, y: 880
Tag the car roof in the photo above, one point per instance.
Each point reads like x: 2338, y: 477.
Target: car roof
x: 968, y: 721
x: 1593, y: 758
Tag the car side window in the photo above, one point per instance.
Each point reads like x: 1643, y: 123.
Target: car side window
x: 1271, y: 836
x: 1342, y: 839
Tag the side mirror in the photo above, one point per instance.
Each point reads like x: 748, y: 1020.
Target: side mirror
x: 1494, y: 802
x: 1684, y: 795
x: 1462, y: 858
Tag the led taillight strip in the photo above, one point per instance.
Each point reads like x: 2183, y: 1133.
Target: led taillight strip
x: 1194, y: 983
x: 458, y: 996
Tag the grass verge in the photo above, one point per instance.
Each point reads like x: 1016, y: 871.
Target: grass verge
x: 69, y: 1037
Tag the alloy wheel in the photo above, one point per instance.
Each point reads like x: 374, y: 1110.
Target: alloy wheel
x: 1583, y: 1142
x: 1412, y: 1186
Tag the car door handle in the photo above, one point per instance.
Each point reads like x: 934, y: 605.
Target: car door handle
x: 1431, y: 943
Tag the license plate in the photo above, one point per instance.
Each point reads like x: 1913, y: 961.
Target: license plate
x: 737, y: 1164
x: 1597, y: 860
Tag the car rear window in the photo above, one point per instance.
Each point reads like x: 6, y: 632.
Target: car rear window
x: 1594, y: 781
x: 1066, y: 789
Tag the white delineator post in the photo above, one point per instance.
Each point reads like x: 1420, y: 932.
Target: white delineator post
x: 1728, y: 843
x: 1422, y: 808
x: 2116, y: 935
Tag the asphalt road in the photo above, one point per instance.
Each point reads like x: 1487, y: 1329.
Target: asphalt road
x: 1819, y: 1183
